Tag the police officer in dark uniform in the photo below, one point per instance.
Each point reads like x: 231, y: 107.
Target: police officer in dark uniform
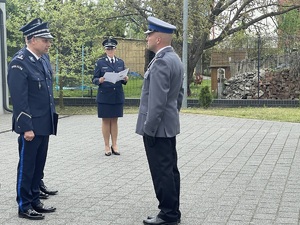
x: 34, y: 117
x: 44, y: 191
x: 110, y: 97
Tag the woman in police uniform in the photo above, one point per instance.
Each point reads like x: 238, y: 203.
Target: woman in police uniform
x: 110, y: 97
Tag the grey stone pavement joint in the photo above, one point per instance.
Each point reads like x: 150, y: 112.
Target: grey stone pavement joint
x: 233, y: 171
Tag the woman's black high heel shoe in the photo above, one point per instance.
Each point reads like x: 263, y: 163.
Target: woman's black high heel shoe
x: 108, y: 153
x: 114, y: 152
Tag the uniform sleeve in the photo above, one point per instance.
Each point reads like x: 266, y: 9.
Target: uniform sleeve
x: 158, y: 95
x: 180, y: 97
x: 18, y: 86
x: 97, y: 73
x: 123, y: 81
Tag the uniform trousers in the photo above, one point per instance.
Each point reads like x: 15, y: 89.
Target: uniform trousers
x: 32, y: 159
x: 162, y: 160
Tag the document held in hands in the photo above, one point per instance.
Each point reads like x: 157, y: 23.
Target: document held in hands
x: 114, y: 77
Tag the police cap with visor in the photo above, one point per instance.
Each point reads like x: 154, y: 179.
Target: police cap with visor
x: 31, y: 24
x: 36, y: 28
x: 110, y: 43
x: 157, y: 25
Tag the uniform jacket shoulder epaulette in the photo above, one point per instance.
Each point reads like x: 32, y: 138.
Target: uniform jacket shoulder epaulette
x: 160, y: 55
x: 102, y: 58
x: 20, y: 56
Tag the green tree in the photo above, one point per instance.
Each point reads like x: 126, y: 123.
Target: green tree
x: 205, y: 97
x: 210, y: 21
x: 289, y: 30
x: 76, y: 24
x: 289, y: 23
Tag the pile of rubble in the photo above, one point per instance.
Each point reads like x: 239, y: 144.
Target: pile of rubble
x: 272, y: 85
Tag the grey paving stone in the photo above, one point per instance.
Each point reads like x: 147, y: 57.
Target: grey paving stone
x: 233, y: 171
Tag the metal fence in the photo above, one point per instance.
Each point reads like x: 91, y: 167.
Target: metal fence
x: 262, y: 52
x: 267, y: 62
x: 132, y: 89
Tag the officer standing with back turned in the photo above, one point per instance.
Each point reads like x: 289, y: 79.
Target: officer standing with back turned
x: 34, y: 117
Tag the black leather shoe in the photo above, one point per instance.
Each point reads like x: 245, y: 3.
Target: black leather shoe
x: 158, y: 221
x: 31, y: 214
x: 151, y: 217
x: 114, y: 152
x: 44, y: 189
x: 43, y: 195
x: 43, y: 209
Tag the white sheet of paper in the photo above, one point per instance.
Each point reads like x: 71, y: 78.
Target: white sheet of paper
x: 114, y: 77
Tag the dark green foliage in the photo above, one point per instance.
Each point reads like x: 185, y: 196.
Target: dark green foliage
x: 205, y: 97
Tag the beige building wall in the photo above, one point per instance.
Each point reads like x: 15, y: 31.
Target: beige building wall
x: 133, y: 53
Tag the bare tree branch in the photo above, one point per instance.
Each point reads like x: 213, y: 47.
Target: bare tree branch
x: 228, y: 30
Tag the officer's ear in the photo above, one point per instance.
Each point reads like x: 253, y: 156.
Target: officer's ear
x: 29, y: 39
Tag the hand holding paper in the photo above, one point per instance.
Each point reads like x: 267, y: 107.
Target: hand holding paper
x: 114, y: 77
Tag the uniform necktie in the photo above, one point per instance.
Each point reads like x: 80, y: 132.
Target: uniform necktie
x: 41, y: 63
x: 44, y: 64
x: 112, y: 61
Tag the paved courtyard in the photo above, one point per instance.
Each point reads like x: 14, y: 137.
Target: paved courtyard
x: 233, y: 171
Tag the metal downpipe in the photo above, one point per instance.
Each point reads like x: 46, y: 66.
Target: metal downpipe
x: 3, y: 62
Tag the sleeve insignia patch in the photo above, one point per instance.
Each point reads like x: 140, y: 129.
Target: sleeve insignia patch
x: 17, y: 67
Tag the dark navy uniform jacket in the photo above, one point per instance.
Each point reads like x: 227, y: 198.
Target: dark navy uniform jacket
x: 109, y: 93
x: 30, y: 86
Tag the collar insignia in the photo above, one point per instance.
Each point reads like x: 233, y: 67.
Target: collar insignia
x: 31, y: 59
